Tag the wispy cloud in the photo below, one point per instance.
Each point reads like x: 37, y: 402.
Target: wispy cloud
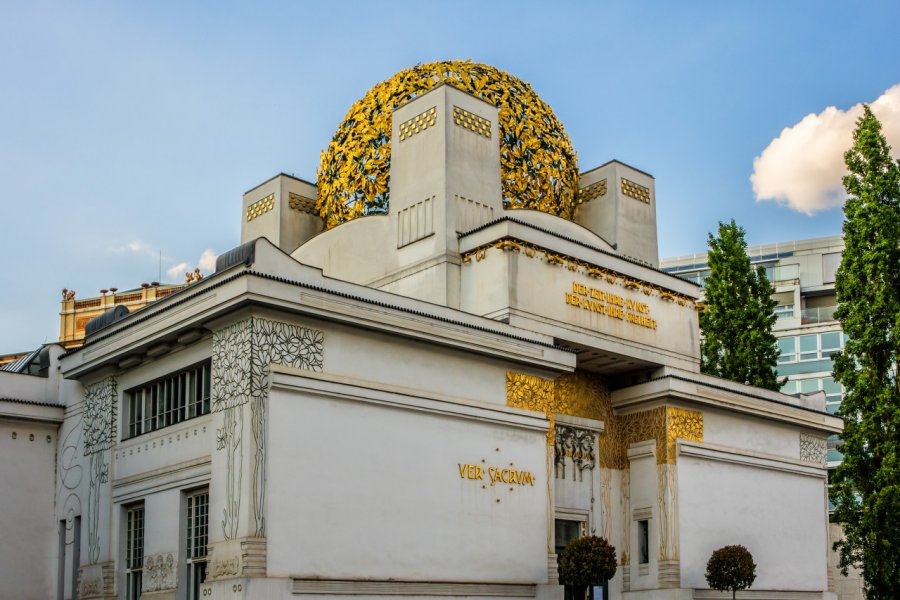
x: 802, y: 168
x: 178, y: 270
x: 138, y: 246
x: 206, y: 263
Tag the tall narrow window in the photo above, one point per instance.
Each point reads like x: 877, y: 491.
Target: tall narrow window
x: 197, y: 527
x: 643, y: 542
x: 134, y: 551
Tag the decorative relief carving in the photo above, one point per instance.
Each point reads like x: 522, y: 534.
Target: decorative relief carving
x: 231, y: 366
x: 226, y: 567
x: 635, y: 190
x: 260, y: 207
x: 667, y: 504
x: 626, y: 519
x: 99, y: 476
x: 581, y: 395
x: 681, y: 424
x: 242, y: 353
x: 90, y: 587
x: 606, y: 517
x: 578, y: 265
x: 595, y: 190
x: 99, y: 420
x: 302, y: 204
x: 71, y: 472
x: 96, y: 581
x: 813, y: 449
x: 472, y: 122
x: 159, y: 573
x: 577, y: 445
x: 532, y: 393
x: 98, y: 432
x: 420, y: 122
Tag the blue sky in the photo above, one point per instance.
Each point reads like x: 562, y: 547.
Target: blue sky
x: 130, y: 129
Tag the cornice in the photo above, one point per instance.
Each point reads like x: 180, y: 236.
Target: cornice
x: 232, y: 290
x: 680, y: 388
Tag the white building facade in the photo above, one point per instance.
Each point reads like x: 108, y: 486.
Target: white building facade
x: 803, y: 275
x: 424, y: 403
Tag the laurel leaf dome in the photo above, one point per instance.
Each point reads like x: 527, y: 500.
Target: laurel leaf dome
x: 538, y: 165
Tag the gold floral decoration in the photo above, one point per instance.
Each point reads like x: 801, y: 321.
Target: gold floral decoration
x: 581, y: 394
x: 538, y: 165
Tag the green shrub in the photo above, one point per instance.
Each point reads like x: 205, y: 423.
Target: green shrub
x: 730, y: 569
x: 587, y: 561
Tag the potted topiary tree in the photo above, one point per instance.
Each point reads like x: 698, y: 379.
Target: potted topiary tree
x: 730, y: 568
x: 585, y: 562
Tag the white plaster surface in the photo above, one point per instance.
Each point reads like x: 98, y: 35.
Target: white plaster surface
x: 367, y: 491
x: 28, y: 542
x: 779, y: 517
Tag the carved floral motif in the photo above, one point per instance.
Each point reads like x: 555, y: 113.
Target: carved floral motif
x: 99, y: 421
x: 577, y: 445
x: 98, y: 433
x: 242, y: 353
x: 587, y: 396
x: 813, y: 449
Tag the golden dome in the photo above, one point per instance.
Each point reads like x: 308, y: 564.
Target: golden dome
x: 538, y: 165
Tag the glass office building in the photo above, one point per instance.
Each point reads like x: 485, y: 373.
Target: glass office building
x: 802, y: 273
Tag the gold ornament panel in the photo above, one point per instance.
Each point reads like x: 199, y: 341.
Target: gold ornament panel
x: 577, y: 265
x: 539, y: 167
x: 261, y: 207
x: 635, y: 190
x: 585, y: 395
x: 595, y: 190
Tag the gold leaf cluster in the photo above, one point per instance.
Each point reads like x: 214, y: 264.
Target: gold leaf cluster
x: 539, y: 168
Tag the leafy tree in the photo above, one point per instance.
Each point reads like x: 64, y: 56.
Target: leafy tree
x: 738, y: 343
x: 866, y: 486
x: 730, y: 569
x: 587, y: 561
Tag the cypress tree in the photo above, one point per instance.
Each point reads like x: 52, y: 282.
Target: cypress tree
x: 738, y: 343
x: 866, y: 486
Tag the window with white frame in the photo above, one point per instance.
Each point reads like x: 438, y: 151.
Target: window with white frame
x: 197, y: 529
x: 168, y: 401
x: 134, y: 550
x: 784, y: 311
x: 812, y: 346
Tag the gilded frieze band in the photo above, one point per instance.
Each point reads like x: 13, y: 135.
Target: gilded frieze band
x: 578, y: 265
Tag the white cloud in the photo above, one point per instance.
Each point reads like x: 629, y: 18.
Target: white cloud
x: 206, y: 263
x: 178, y: 270
x: 802, y: 168
x: 207, y: 260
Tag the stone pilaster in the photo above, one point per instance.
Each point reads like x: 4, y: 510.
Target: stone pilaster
x: 242, y: 354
